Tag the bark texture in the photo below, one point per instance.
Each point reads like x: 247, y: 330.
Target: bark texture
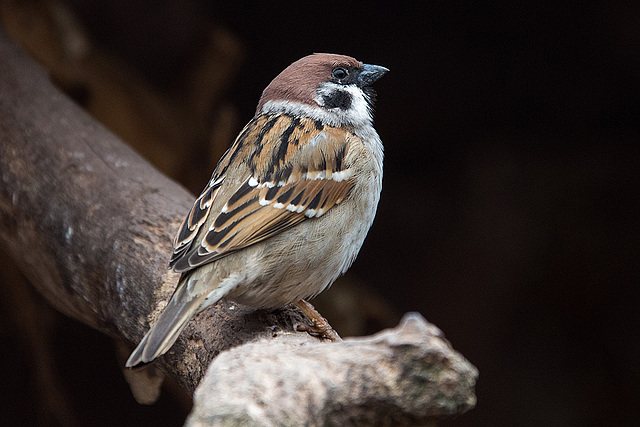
x: 408, y: 375
x: 90, y: 223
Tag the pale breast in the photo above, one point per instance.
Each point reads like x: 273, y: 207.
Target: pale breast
x: 301, y: 262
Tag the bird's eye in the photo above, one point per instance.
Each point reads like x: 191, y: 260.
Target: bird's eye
x: 339, y: 73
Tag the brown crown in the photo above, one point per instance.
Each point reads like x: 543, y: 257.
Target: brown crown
x: 299, y: 81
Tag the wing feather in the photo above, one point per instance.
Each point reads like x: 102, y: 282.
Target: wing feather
x: 305, y: 176
x: 194, y: 220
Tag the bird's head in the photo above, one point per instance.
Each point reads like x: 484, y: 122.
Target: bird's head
x: 335, y: 89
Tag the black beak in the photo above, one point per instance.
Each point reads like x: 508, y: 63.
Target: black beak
x: 370, y: 74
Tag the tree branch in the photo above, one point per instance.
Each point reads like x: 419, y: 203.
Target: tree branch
x: 409, y: 375
x: 90, y: 223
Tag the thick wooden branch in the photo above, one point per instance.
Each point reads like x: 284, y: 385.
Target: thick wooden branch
x: 90, y: 223
x: 408, y: 375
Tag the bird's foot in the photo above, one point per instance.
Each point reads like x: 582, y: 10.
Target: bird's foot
x: 320, y: 327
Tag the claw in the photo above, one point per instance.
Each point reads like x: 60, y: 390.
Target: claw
x: 320, y: 327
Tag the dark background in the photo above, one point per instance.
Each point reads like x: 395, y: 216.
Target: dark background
x: 509, y: 211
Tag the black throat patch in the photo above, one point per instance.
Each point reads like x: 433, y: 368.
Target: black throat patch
x: 337, y: 99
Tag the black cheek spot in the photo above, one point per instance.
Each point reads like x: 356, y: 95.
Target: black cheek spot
x: 337, y: 99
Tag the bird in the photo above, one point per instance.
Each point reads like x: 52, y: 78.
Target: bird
x: 289, y: 204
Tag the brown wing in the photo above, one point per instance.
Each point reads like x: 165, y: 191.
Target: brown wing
x: 194, y: 220
x: 296, y: 172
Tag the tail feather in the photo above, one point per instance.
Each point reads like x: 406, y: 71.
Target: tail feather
x: 164, y: 333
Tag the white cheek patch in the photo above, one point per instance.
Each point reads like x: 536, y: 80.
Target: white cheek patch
x: 358, y: 115
x: 360, y: 109
x: 359, y: 112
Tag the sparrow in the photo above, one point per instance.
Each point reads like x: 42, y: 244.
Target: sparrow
x: 289, y: 204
